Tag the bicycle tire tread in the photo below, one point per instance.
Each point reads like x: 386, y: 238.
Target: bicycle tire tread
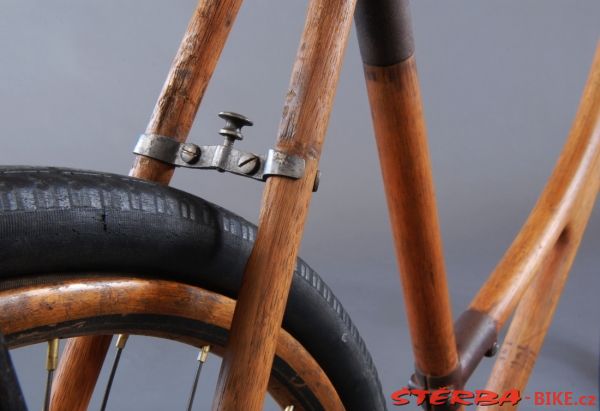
x: 90, y: 220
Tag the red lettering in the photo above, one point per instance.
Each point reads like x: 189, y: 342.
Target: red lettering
x: 538, y: 398
x: 556, y: 398
x: 397, y: 396
x: 439, y: 397
x: 486, y: 398
x: 589, y: 400
x: 512, y: 397
x: 458, y: 397
x: 421, y: 395
x: 569, y: 398
x: 445, y: 396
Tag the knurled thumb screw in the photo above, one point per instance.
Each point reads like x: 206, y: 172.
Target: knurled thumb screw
x: 233, y: 127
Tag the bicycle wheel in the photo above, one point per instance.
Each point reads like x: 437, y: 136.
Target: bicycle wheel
x: 57, y: 222
x: 83, y: 305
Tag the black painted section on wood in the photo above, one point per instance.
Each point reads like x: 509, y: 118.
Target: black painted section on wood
x: 384, y: 31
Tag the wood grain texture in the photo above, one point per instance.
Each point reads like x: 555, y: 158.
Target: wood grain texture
x: 562, y: 209
x: 173, y: 116
x: 35, y: 306
x: 78, y: 371
x: 87, y: 355
x: 268, y: 274
x: 187, y: 80
x: 533, y: 316
x: 565, y: 207
x: 401, y: 136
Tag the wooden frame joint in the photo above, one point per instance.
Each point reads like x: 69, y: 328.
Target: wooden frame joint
x: 476, y: 337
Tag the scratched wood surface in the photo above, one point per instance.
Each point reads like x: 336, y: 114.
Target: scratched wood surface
x: 39, y: 305
x: 401, y: 136
x: 537, y: 265
x: 187, y: 80
x: 562, y: 210
x: 268, y: 274
x: 173, y: 116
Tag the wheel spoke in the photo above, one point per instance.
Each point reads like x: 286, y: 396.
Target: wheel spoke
x: 202, y: 355
x: 120, y: 345
x: 51, y: 363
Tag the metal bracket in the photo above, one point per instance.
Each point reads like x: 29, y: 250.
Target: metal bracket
x: 223, y: 157
x: 220, y: 157
x: 476, y: 337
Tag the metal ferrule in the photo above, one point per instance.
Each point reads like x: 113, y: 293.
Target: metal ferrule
x: 121, y: 341
x: 203, y: 354
x: 52, y: 355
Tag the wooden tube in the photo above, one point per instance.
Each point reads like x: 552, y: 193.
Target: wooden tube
x: 572, y: 188
x: 527, y: 330
x: 173, y: 116
x: 268, y: 274
x: 401, y: 137
x: 578, y: 194
x: 187, y: 80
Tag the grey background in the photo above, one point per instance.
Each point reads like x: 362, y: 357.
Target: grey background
x: 501, y: 82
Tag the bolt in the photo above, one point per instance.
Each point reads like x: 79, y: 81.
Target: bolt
x: 233, y: 127
x: 492, y: 350
x: 249, y: 164
x: 190, y: 153
x: 317, y: 182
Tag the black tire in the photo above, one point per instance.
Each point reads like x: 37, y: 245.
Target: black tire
x: 55, y: 220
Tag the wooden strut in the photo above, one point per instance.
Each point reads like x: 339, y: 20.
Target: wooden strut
x: 568, y: 197
x: 261, y: 302
x: 534, y: 276
x: 404, y: 156
x: 173, y: 116
x: 387, y: 50
x: 547, y: 243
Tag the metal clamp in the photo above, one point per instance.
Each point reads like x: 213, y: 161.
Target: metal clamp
x: 224, y: 158
x: 476, y: 337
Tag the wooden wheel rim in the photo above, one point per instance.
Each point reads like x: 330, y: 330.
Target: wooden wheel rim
x: 56, y: 302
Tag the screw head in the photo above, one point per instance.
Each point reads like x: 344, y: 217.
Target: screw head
x: 249, y: 164
x: 492, y: 350
x: 317, y: 182
x: 190, y: 153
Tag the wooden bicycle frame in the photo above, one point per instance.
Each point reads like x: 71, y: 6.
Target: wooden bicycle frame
x: 528, y: 280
